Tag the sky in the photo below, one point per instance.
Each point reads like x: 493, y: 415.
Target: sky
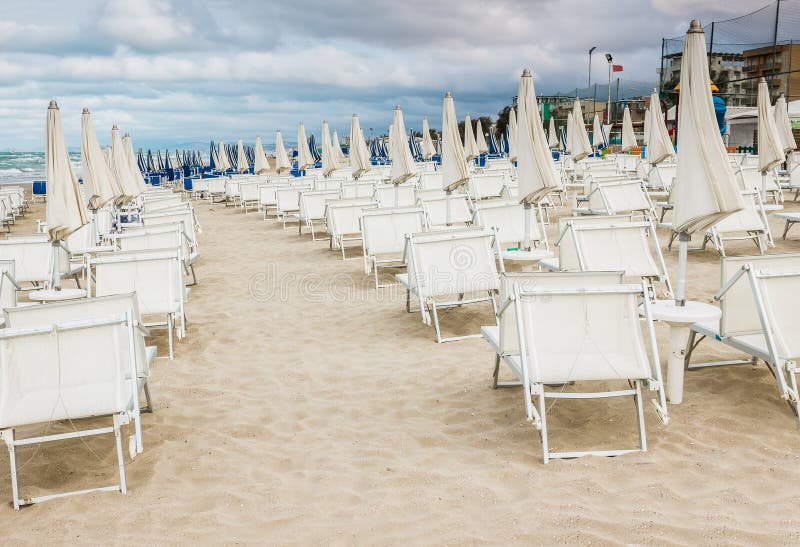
x: 181, y: 72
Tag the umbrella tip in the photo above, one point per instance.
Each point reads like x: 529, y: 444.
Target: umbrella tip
x: 53, y: 104
x: 526, y: 73
x: 397, y: 107
x: 695, y: 26
x: 85, y: 110
x: 114, y: 128
x: 448, y: 95
x: 355, y: 115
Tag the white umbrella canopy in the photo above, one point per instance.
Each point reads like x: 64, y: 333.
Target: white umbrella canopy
x: 359, y: 155
x: 512, y: 135
x: 222, y: 156
x: 215, y: 157
x: 570, y: 132
x: 66, y: 211
x: 337, y: 149
x: 241, y: 160
x: 470, y: 146
x: 659, y: 145
x: 330, y: 162
x: 784, y: 125
x: 454, y: 161
x: 122, y: 171
x: 597, y: 132
x: 552, y: 137
x: 98, y: 181
x: 580, y: 138
x: 261, y: 165
x: 705, y: 189
x: 304, y: 157
x: 133, y: 166
x: 770, y: 146
x: 535, y: 172
x: 646, y: 134
x: 403, y: 165
x: 480, y: 139
x: 428, y: 149
x: 282, y: 162
x: 628, y: 136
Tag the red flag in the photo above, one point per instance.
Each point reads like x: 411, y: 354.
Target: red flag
x: 616, y: 68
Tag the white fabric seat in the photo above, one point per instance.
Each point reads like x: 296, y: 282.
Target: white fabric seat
x: 343, y: 218
x: 748, y: 223
x: 384, y: 236
x: 447, y: 211
x: 311, y: 209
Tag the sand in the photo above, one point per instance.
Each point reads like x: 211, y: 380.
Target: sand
x: 314, y: 410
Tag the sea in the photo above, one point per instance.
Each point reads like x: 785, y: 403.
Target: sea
x: 17, y: 167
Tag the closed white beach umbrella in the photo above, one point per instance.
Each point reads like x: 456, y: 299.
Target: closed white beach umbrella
x: 337, y: 149
x: 241, y: 160
x: 359, y: 155
x: 659, y: 145
x: 535, y: 172
x: 121, y: 169
x: 133, y: 166
x: 784, y: 125
x: 770, y: 146
x: 512, y: 135
x: 628, y: 136
x: 66, y: 211
x: 98, y: 181
x: 646, y: 129
x: 403, y: 165
x: 597, y: 132
x: 282, y: 162
x: 581, y: 147
x: 222, y: 156
x: 480, y: 139
x: 330, y: 162
x: 570, y: 132
x: 428, y: 149
x: 261, y: 164
x: 304, y: 157
x: 454, y: 161
x: 552, y: 137
x: 470, y: 146
x: 705, y: 189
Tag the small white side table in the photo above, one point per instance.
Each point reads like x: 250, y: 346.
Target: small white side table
x: 532, y: 256
x: 679, y: 318
x: 52, y: 295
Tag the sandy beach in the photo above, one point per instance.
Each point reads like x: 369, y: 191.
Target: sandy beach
x: 305, y: 407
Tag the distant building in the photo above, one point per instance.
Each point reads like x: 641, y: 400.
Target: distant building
x: 723, y: 68
x: 761, y: 62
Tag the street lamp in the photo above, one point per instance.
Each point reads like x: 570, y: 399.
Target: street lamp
x: 610, y: 60
x: 589, y: 88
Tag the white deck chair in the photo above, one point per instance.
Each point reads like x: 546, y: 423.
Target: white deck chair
x: 430, y: 181
x: 164, y: 236
x: 508, y: 219
x: 554, y: 264
x: 191, y: 228
x: 312, y: 209
x: 329, y: 184
x: 200, y: 188
x: 663, y: 176
x: 8, y: 286
x: 232, y: 190
x: 249, y: 195
x: 384, y: 236
x: 617, y: 198
x: 268, y: 197
x: 749, y: 223
x: 485, y: 186
x: 67, y: 371
x: 447, y: 211
x: 217, y: 188
x: 750, y: 180
x: 343, y: 219
x: 445, y: 266
x: 33, y: 258
x: 156, y: 276
x: 590, y: 334
x: 631, y: 248
x: 759, y: 299
x: 358, y: 190
x: 391, y: 196
x: 288, y: 202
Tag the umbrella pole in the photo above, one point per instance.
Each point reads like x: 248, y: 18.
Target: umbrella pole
x: 526, y: 244
x: 763, y: 186
x: 56, y: 266
x: 683, y: 254
x: 447, y: 216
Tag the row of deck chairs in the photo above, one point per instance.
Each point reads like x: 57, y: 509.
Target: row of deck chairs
x: 84, y: 362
